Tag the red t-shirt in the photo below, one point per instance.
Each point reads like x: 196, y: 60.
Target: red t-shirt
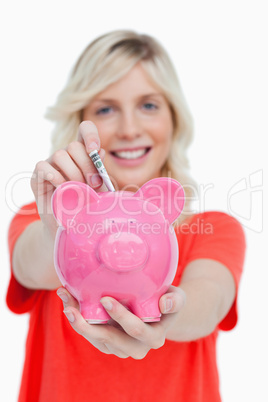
x: 61, y: 365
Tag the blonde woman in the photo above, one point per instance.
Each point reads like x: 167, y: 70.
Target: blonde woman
x: 124, y: 99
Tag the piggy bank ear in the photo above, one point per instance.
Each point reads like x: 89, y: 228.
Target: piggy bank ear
x: 69, y: 198
x: 166, y: 193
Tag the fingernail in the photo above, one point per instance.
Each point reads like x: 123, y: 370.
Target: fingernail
x: 168, y: 305
x: 107, y: 305
x: 95, y: 180
x: 69, y: 316
x: 92, y: 146
x: 63, y: 297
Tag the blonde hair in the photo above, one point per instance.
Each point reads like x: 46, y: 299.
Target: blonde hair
x: 106, y: 60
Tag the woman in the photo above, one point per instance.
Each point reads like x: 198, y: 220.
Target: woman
x: 123, y: 98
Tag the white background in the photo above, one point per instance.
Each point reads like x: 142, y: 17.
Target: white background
x: 220, y: 51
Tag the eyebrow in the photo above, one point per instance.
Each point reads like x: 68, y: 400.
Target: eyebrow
x: 110, y: 100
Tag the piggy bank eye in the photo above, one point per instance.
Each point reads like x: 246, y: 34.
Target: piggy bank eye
x: 132, y: 220
x: 107, y: 223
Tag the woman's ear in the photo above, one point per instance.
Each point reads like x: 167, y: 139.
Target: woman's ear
x: 69, y: 198
x: 166, y: 193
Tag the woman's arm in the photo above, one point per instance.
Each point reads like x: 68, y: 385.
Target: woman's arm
x: 210, y: 291
x: 32, y: 260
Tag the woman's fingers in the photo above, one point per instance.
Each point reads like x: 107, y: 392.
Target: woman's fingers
x: 172, y: 301
x: 107, y: 338
x: 63, y: 162
x: 78, y: 153
x: 72, y: 163
x: 130, y: 337
x: 150, y: 335
x: 88, y: 134
x: 67, y: 299
x: 45, y: 172
x: 116, y: 350
x: 94, y: 333
x: 130, y: 323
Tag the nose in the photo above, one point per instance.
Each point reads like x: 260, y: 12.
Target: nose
x: 129, y: 126
x: 123, y: 252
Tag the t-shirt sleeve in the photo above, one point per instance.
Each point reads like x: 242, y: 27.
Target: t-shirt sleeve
x: 221, y: 238
x: 20, y: 299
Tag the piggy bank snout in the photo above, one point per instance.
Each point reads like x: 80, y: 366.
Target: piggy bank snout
x: 123, y: 251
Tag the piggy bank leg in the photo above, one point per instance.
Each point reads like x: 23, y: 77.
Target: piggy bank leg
x: 94, y: 313
x: 147, y: 311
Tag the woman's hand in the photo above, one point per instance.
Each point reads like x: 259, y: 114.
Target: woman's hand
x: 125, y: 335
x: 71, y: 163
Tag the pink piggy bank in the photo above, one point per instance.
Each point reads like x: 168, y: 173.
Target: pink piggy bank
x: 119, y: 244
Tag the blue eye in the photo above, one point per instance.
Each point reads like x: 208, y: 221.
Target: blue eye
x: 104, y: 110
x: 149, y: 106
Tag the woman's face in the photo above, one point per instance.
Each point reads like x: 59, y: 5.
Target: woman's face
x: 135, y: 126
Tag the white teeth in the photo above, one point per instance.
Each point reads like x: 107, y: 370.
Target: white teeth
x: 130, y: 154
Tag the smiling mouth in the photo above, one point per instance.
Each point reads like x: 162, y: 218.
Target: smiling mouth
x: 128, y: 154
